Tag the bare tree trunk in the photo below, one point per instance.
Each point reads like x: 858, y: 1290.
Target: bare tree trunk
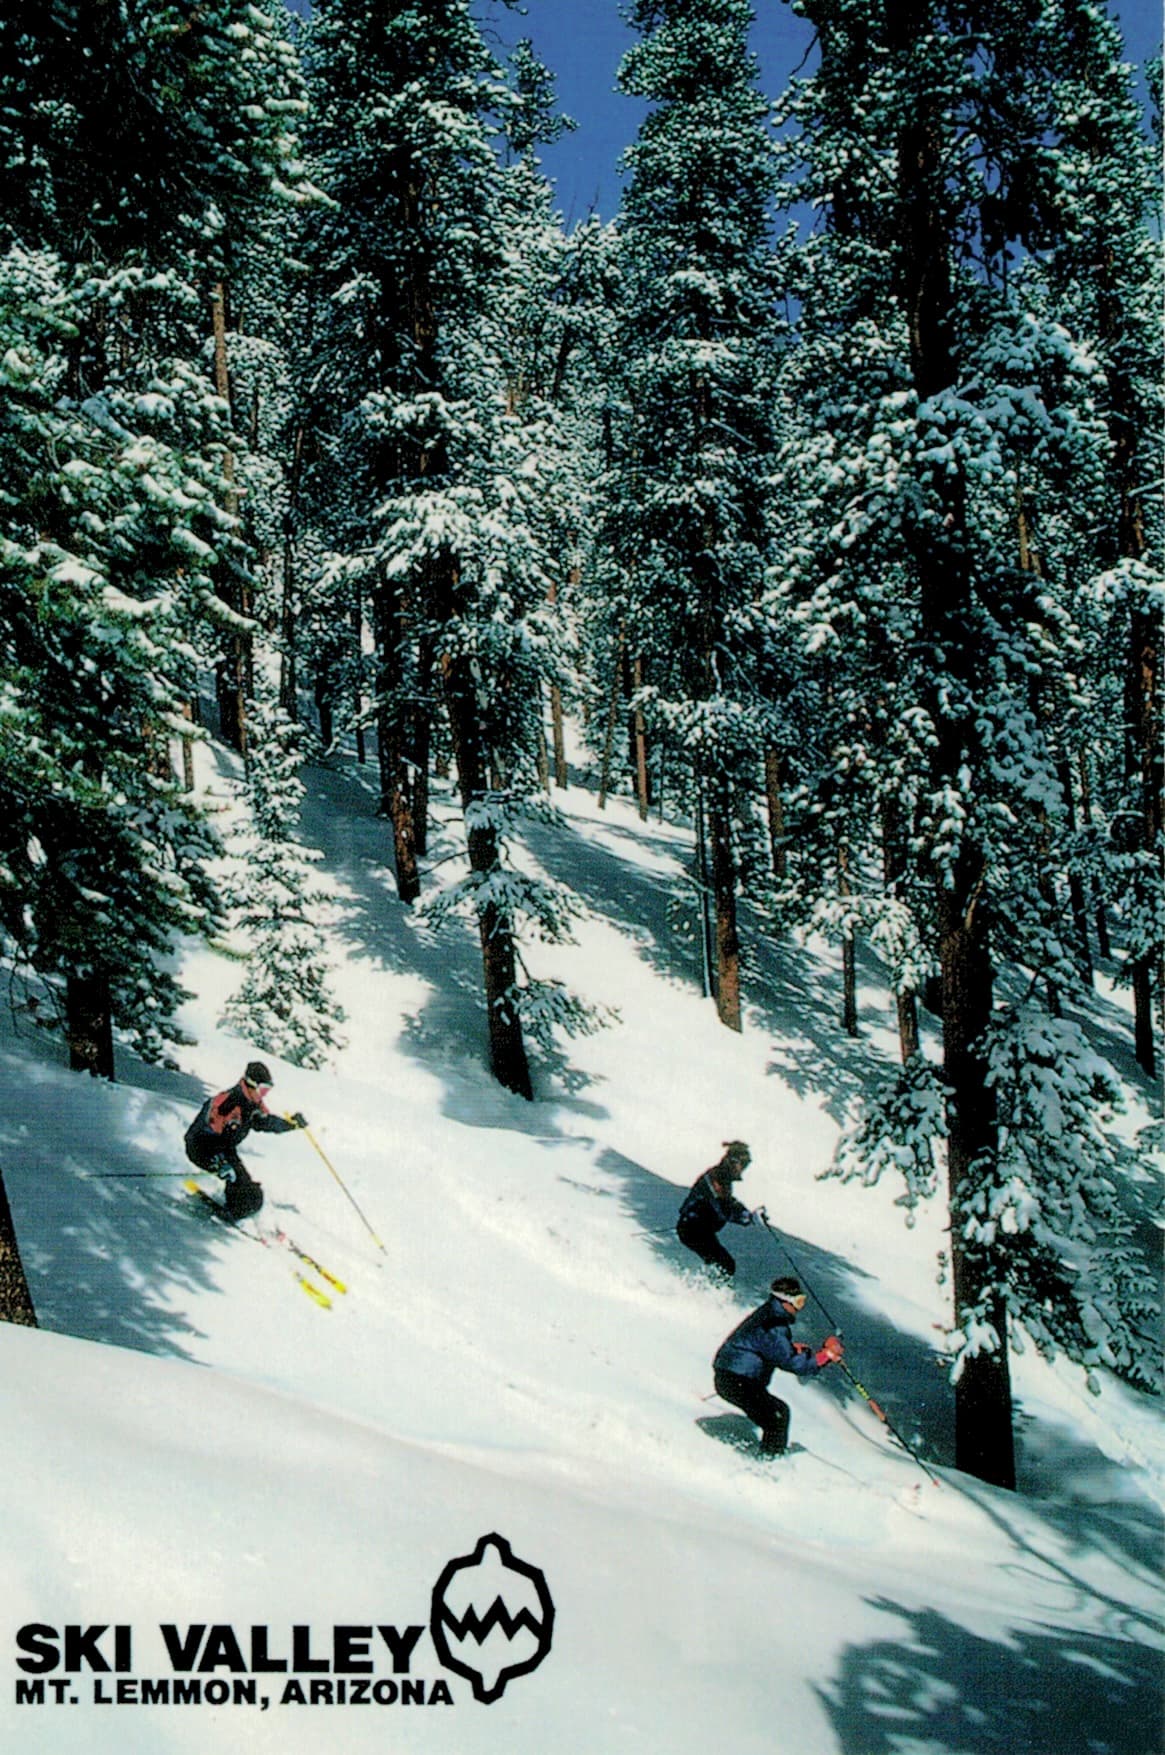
x: 642, y: 784
x: 557, y: 733
x: 612, y: 720
x: 187, y: 751
x: 1100, y: 913
x: 357, y: 622
x: 727, y: 935
x: 893, y: 873
x: 1076, y: 896
x: 89, y: 1024
x: 232, y: 670
x: 507, y: 1049
x: 422, y: 722
x: 394, y: 801
x: 776, y: 813
x: 849, y: 984
x: 15, y: 1299
x: 984, y: 1442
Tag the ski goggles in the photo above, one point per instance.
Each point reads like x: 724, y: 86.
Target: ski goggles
x: 261, y: 1090
x: 795, y: 1300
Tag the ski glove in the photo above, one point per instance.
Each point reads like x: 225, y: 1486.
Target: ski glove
x: 297, y: 1119
x: 831, y: 1351
x: 760, y: 1217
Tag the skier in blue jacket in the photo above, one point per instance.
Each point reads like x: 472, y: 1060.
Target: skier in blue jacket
x: 710, y: 1204
x: 221, y: 1125
x: 761, y: 1344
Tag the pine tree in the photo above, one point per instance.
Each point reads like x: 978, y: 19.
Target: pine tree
x: 946, y: 389
x: 285, y: 1004
x: 439, y: 444
x: 139, y: 142
x: 688, y: 523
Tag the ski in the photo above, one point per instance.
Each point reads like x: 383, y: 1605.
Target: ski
x: 315, y: 1293
x: 311, y: 1262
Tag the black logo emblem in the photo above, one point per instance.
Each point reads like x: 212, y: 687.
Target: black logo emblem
x: 492, y: 1617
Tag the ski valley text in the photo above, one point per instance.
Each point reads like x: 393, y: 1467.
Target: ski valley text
x: 217, y: 1664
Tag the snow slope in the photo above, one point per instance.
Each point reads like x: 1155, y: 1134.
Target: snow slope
x: 188, y: 1439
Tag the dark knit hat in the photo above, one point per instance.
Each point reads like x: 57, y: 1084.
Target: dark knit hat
x: 736, y: 1152
x: 257, y: 1074
x: 787, y: 1287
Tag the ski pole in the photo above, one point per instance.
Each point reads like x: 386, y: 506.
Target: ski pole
x: 315, y: 1142
x: 888, y: 1422
x: 111, y: 1175
x: 783, y: 1246
x: 858, y: 1385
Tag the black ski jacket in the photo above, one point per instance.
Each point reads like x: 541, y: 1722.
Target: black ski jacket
x: 709, y: 1205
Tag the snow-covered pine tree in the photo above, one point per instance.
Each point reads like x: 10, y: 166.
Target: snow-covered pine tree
x: 688, y: 520
x: 440, y: 523
x: 285, y: 1004
x: 137, y: 141
x: 1107, y: 276
x: 932, y: 140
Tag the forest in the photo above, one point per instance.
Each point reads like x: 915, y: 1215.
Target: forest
x: 818, y: 492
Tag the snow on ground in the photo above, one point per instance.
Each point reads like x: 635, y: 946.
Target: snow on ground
x: 189, y: 1440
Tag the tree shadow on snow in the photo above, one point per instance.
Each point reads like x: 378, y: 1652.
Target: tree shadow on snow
x: 934, y: 1685
x: 103, y: 1254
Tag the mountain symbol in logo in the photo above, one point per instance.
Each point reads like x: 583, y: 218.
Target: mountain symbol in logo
x: 492, y: 1617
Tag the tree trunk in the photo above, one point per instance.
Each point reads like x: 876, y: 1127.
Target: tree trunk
x: 849, y: 984
x: 233, y: 668
x: 984, y: 1443
x: 612, y: 720
x: 15, y: 1299
x: 394, y: 802
x: 557, y: 734
x: 642, y: 782
x: 1100, y: 913
x: 893, y: 874
x: 422, y: 744
x: 187, y: 751
x: 776, y: 814
x: 89, y: 1024
x: 1076, y: 897
x: 507, y: 1049
x: 727, y: 936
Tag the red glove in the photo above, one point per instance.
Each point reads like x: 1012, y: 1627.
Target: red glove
x: 831, y: 1351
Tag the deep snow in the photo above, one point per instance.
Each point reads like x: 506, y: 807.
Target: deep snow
x: 188, y: 1438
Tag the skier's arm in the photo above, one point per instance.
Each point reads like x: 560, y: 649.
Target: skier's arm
x: 264, y: 1123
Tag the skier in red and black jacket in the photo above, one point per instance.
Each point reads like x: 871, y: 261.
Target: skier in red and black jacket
x: 222, y: 1124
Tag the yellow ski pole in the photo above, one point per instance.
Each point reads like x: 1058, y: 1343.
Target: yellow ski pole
x: 315, y: 1142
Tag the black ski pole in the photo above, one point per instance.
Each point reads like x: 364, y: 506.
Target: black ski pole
x: 857, y: 1383
x: 783, y: 1246
x: 888, y: 1422
x: 112, y: 1175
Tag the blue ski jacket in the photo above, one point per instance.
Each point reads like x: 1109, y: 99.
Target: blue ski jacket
x: 762, y: 1344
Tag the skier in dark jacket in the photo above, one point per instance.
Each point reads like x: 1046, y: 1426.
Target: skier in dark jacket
x: 760, y: 1345
x: 710, y: 1205
x: 219, y: 1129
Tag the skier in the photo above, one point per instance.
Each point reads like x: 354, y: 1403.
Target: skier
x: 757, y: 1347
x: 220, y: 1127
x: 710, y: 1205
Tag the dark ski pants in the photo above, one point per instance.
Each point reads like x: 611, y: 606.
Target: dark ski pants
x: 764, y: 1410
x: 704, y: 1242
x: 242, y: 1195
